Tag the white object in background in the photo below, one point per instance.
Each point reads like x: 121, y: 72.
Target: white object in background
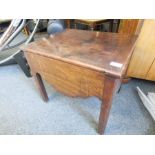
x: 151, y: 97
x: 116, y: 64
x: 148, y: 101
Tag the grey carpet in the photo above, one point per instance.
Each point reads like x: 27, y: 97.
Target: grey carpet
x: 22, y: 110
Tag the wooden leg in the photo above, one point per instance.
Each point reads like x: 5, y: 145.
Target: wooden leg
x: 68, y: 23
x: 110, y: 85
x: 41, y: 86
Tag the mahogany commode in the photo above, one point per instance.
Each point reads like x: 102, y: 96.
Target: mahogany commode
x: 82, y: 63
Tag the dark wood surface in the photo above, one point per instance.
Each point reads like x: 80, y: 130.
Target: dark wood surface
x: 41, y: 86
x: 77, y: 63
x: 95, y: 50
x: 128, y: 26
x: 110, y: 86
x: 69, y: 79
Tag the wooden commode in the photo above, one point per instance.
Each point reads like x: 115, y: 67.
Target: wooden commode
x: 82, y: 63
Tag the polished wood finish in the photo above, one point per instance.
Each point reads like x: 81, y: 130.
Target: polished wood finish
x: 139, y: 26
x: 128, y: 26
x: 110, y: 84
x: 82, y: 63
x: 94, y: 50
x: 67, y: 78
x: 144, y: 53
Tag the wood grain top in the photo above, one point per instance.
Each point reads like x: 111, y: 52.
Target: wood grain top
x: 105, y: 52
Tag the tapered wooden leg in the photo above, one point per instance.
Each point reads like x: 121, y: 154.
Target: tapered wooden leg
x: 40, y: 86
x: 110, y: 86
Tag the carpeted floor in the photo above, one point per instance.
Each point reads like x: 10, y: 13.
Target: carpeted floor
x: 22, y: 110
